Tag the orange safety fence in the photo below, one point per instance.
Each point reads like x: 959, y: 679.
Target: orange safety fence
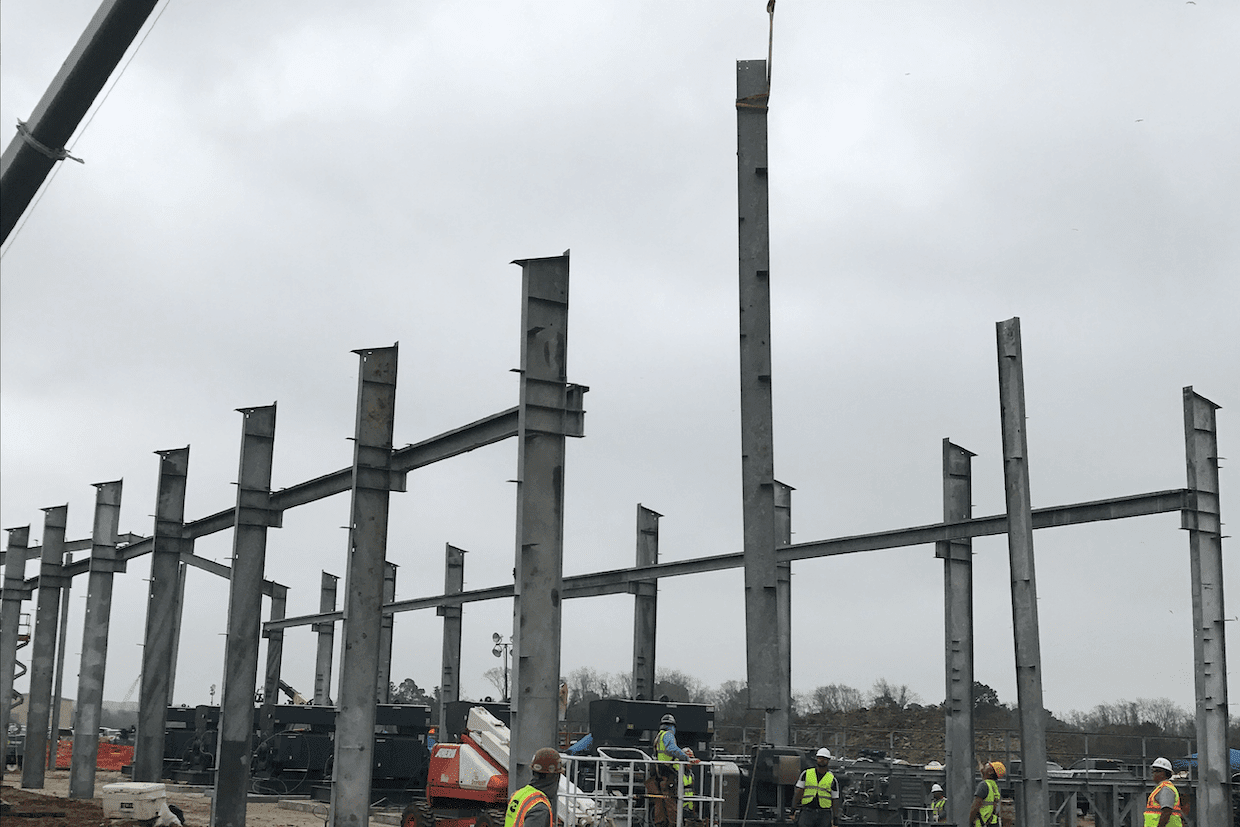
x: 111, y: 756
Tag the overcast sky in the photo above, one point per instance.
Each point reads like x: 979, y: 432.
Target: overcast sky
x: 270, y: 186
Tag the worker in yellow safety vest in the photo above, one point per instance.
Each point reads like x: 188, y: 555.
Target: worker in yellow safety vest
x: 818, y: 796
x: 534, y: 804
x: 938, y: 803
x: 660, y: 785
x: 1162, y: 808
x: 985, y: 810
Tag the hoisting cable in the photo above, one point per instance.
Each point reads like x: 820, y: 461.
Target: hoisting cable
x: 761, y: 100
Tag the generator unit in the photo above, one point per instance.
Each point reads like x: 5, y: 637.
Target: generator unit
x: 617, y: 722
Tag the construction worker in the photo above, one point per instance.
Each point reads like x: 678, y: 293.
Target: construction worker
x: 534, y: 804
x: 985, y: 810
x: 687, y: 788
x: 1162, y: 808
x: 661, y: 785
x: 819, y: 794
x: 938, y: 803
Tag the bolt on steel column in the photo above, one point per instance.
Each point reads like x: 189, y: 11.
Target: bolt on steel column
x: 449, y: 679
x: 543, y: 423
x: 645, y: 605
x: 104, y: 562
x: 43, y: 651
x: 14, y: 587
x: 957, y: 556
x: 1036, y: 800
x: 363, y: 604
x: 326, y: 642
x: 1204, y: 524
x: 757, y: 428
x: 162, y: 607
x: 252, y: 518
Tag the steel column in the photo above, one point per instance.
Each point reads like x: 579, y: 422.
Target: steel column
x: 162, y: 607
x: 368, y: 528
x: 645, y: 605
x: 450, y: 674
x: 25, y: 165
x: 1203, y: 520
x: 957, y: 556
x: 182, y: 572
x: 326, y: 642
x: 757, y: 426
x: 43, y: 650
x: 779, y: 721
x: 1036, y: 800
x: 104, y: 562
x: 245, y: 604
x: 275, y: 649
x: 10, y: 617
x: 63, y: 636
x: 542, y: 424
x: 383, y: 687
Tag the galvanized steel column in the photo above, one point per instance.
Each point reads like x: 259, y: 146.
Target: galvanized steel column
x: 275, y: 647
x: 177, y: 615
x: 104, y: 562
x: 449, y: 678
x: 162, y: 607
x: 542, y: 422
x: 1205, y: 543
x: 779, y: 721
x: 383, y: 686
x: 43, y: 650
x: 253, y: 516
x: 1036, y: 801
x: 326, y: 642
x: 63, y: 637
x: 645, y: 605
x: 10, y: 617
x: 957, y: 557
x: 363, y: 604
x: 757, y: 428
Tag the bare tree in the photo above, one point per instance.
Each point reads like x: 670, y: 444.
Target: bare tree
x: 888, y: 694
x: 836, y: 697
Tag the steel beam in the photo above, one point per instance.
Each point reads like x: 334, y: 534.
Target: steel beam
x: 543, y: 423
x: 104, y: 562
x: 245, y: 603
x: 368, y: 530
x: 757, y: 420
x: 1036, y: 800
x: 957, y: 556
x: 326, y: 642
x: 450, y: 670
x: 620, y: 581
x: 779, y: 721
x: 43, y: 651
x: 30, y: 156
x: 645, y: 605
x: 1203, y: 521
x: 383, y: 689
x: 10, y: 618
x: 162, y: 609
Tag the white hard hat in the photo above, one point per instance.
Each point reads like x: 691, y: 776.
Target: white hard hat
x: 823, y: 753
x: 1162, y: 764
x: 936, y: 789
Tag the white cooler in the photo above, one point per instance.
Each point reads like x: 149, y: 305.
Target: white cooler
x: 132, y: 799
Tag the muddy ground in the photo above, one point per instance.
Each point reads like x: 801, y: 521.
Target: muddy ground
x: 53, y: 798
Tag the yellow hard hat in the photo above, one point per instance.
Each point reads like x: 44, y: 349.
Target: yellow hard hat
x: 999, y: 769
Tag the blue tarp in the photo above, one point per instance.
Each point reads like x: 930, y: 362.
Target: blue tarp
x: 1191, y: 761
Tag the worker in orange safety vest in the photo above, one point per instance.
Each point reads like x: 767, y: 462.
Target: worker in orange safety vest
x: 1162, y: 808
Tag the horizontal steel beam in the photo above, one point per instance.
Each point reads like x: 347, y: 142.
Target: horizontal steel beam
x: 483, y: 432
x: 617, y: 581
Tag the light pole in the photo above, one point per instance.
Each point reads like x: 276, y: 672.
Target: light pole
x: 501, y: 651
